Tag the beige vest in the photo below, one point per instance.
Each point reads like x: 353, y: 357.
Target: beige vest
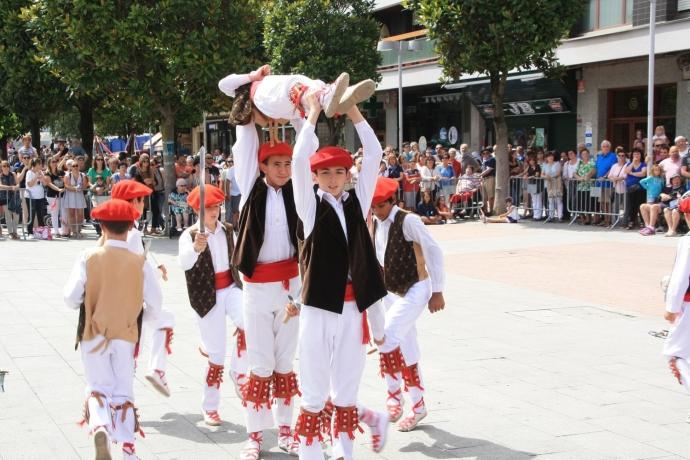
x: 114, y: 293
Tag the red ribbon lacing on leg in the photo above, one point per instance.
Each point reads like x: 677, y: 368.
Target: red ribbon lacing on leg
x: 346, y: 421
x: 674, y: 369
x: 308, y: 425
x: 411, y: 377
x: 126, y: 406
x: 214, y: 377
x: 285, y: 387
x: 86, y: 415
x: 326, y: 416
x: 295, y: 95
x: 391, y: 363
x: 241, y: 341
x: 168, y: 339
x: 258, y: 391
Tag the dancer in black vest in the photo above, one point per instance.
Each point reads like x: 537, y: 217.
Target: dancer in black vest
x: 266, y: 255
x: 341, y: 280
x: 214, y: 293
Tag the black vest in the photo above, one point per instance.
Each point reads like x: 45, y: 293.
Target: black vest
x: 326, y: 257
x: 253, y: 223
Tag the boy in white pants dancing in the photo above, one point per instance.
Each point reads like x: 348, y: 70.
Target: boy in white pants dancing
x: 108, y: 328
x: 412, y: 264
x: 160, y: 329
x: 214, y: 292
x: 266, y: 255
x: 341, y: 280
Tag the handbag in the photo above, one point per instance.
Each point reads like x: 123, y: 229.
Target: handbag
x: 634, y: 188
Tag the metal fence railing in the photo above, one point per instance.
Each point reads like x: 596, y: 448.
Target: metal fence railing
x: 603, y: 199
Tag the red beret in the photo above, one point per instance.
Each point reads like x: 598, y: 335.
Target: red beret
x: 684, y: 205
x: 115, y: 210
x: 129, y: 190
x: 279, y: 148
x: 330, y: 157
x: 385, y: 188
x: 212, y: 196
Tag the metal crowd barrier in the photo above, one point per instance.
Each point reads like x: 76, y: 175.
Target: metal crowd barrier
x: 467, y: 196
x: 531, y: 196
x: 604, y: 198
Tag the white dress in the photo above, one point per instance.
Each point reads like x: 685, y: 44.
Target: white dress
x: 72, y: 199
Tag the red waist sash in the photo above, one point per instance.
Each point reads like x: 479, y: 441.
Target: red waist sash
x: 223, y: 280
x: 686, y: 297
x: 350, y: 297
x: 282, y: 271
x: 349, y: 293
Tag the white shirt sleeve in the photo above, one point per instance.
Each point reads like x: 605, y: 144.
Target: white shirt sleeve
x: 366, y: 180
x: 187, y: 255
x: 302, y: 184
x: 377, y: 320
x: 153, y: 295
x: 415, y: 231
x: 246, y: 155
x: 229, y: 84
x: 135, y: 243
x: 678, y: 284
x: 74, y: 289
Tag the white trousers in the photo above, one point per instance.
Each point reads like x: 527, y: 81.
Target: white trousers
x: 154, y: 331
x: 537, y: 205
x: 272, y: 96
x: 271, y: 344
x: 54, y: 210
x: 214, y: 339
x: 110, y: 372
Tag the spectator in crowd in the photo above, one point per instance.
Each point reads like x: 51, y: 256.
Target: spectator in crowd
x: 393, y: 169
x: 635, y: 171
x: 233, y: 194
x: 401, y: 205
x: 181, y: 170
x: 442, y: 208
x: 438, y: 152
x: 455, y: 162
x: 660, y: 134
x: 511, y: 215
x: 20, y: 170
x: 569, y: 170
x: 74, y: 202
x: 605, y: 159
x: 617, y: 175
x: 488, y: 175
x: 671, y: 165
x: 466, y: 190
x: 551, y: 172
x: 444, y: 175
x: 78, y: 150
x: 27, y: 148
x: 584, y: 174
x: 81, y: 161
x: 415, y: 148
x: 9, y: 199
x: 653, y: 184
x: 99, y: 170
x: 427, y: 173
x: 407, y: 153
x: 158, y: 195
x: 354, y: 172
x: 113, y: 164
x: 520, y: 154
x: 121, y: 173
x: 144, y: 174
x: 682, y: 144
x: 35, y: 195
x: 670, y: 198
x: 411, y: 180
x: 54, y: 185
x: 60, y: 148
x: 179, y: 206
x: 467, y: 159
x: 535, y: 186
x: 660, y: 149
x: 427, y: 211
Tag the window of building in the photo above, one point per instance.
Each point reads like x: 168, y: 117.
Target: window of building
x: 601, y: 14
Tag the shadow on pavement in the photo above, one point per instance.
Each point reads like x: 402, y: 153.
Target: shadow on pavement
x: 449, y: 445
x: 177, y: 425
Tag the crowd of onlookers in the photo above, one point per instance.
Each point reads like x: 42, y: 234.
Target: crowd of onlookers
x: 53, y: 190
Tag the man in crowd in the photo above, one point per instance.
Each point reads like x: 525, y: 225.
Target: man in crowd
x: 605, y: 159
x: 467, y: 159
x: 232, y: 193
x: 488, y: 176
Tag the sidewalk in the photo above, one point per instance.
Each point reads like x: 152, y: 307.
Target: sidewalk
x: 543, y: 351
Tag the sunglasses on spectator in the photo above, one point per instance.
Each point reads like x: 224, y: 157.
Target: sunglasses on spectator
x: 5, y: 166
x: 75, y: 166
x: 25, y: 158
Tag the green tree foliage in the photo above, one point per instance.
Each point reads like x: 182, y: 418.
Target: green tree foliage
x: 27, y: 89
x: 494, y: 37
x: 321, y: 39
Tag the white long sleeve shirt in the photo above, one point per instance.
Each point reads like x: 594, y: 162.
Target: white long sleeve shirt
x: 414, y: 231
x: 305, y: 201
x: 680, y: 276
x: 75, y: 287
x: 217, y: 244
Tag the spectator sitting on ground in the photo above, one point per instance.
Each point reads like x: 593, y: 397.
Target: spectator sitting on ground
x: 427, y: 211
x: 178, y: 205
x: 654, y: 184
x: 670, y: 197
x: 401, y: 205
x: 467, y: 187
x: 442, y: 208
x: 511, y: 215
x: 672, y: 164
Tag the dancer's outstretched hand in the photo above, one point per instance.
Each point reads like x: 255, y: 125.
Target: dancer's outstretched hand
x: 260, y: 73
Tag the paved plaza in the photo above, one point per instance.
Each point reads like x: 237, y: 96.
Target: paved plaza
x: 543, y: 351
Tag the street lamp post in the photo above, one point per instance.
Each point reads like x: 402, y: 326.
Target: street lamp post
x: 650, y: 85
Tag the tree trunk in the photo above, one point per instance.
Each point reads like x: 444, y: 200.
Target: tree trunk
x: 35, y: 130
x: 86, y: 107
x: 168, y: 135
x: 498, y: 89
x: 335, y: 129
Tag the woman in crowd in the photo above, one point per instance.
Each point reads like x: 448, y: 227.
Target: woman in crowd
x: 670, y: 199
x: 427, y: 173
x: 10, y: 203
x: 144, y: 174
x: 99, y: 169
x: 569, y: 184
x: 427, y: 210
x: 617, y: 174
x: 551, y: 171
x: 35, y: 195
x: 157, y: 197
x: 653, y: 184
x: 584, y: 174
x: 74, y: 202
x: 515, y: 170
x: 635, y: 171
x: 54, y: 185
x: 535, y: 186
x: 467, y: 190
x: 444, y: 175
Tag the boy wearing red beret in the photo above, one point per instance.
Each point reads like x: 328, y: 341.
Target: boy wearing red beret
x: 214, y: 290
x: 266, y: 255
x: 341, y: 280
x: 412, y: 265
x: 161, y: 329
x: 109, y: 332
